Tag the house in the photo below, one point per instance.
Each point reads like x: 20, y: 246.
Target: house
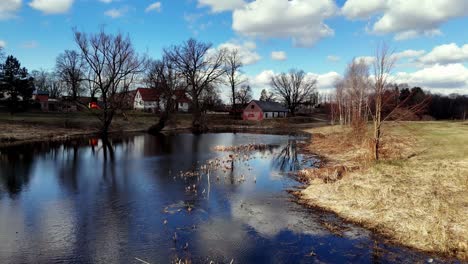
x: 259, y: 110
x: 150, y: 100
x: 42, y: 97
x: 147, y: 100
x: 183, y: 102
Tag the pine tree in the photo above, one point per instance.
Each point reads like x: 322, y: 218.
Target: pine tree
x: 15, y: 84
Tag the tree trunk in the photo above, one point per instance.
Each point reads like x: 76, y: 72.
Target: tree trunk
x: 233, y: 89
x: 198, y: 123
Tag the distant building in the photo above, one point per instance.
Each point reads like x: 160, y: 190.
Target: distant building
x: 183, y: 102
x: 147, y: 100
x: 42, y: 97
x: 259, y: 110
x: 150, y: 100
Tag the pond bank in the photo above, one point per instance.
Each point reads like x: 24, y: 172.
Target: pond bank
x: 416, y: 197
x: 39, y: 127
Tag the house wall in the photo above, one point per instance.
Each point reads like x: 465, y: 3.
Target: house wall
x: 183, y: 107
x: 139, y: 104
x: 252, y: 112
x: 270, y: 115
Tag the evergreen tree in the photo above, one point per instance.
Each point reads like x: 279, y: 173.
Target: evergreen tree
x: 15, y: 84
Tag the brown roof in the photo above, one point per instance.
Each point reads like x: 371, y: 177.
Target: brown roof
x: 149, y: 95
x: 182, y: 96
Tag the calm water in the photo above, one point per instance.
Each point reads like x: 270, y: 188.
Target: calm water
x: 81, y: 202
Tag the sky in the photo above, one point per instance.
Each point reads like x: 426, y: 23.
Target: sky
x: 318, y: 36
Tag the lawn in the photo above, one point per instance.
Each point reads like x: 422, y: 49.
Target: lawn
x: 418, y: 196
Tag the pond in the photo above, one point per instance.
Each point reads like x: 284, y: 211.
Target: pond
x: 161, y: 199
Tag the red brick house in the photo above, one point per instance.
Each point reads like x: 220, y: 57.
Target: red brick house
x: 259, y: 110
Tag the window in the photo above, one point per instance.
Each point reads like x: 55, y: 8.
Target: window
x: 252, y: 106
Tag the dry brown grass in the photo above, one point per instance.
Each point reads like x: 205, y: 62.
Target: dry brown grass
x: 418, y: 196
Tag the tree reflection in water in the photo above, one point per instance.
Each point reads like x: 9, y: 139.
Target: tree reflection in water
x: 287, y: 160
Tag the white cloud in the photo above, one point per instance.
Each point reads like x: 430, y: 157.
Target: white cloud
x: 2, y: 44
x: 408, y: 54
x: 279, y: 55
x: 247, y: 52
x: 369, y: 60
x: 8, y: 8
x: 325, y: 81
x: 359, y: 9
x: 406, y: 18
x: 52, y: 6
x: 221, y: 5
x: 301, y: 20
x: 154, y: 7
x: 30, y: 44
x: 445, y: 54
x: 333, y: 58
x: 106, y: 1
x: 443, y: 78
x: 116, y: 12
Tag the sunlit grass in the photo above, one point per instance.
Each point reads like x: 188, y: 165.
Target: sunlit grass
x: 419, y: 199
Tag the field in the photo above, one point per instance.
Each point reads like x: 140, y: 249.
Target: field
x: 417, y: 196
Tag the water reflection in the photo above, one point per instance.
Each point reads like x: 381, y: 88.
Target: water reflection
x: 91, y: 201
x: 15, y: 167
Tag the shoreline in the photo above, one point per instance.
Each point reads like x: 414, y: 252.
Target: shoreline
x: 365, y: 196
x: 327, y: 162
x: 53, y: 134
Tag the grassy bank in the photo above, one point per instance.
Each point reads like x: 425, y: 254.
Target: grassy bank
x: 26, y: 127
x: 417, y: 196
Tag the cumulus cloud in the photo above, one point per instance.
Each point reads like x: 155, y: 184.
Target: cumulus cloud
x: 2, y: 44
x: 247, y: 51
x: 408, y: 54
x: 279, y: 55
x: 116, y: 12
x: 369, y: 60
x: 446, y: 54
x: 406, y: 18
x: 451, y: 77
x: 221, y: 5
x: 154, y: 7
x: 300, y: 20
x: 8, y: 8
x: 52, y: 6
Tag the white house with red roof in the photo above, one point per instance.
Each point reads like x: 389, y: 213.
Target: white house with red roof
x: 147, y: 99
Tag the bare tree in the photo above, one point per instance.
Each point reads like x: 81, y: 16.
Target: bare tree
x: 163, y: 76
x: 293, y: 88
x: 244, y: 95
x: 91, y: 83
x: 69, y: 66
x: 266, y: 96
x: 382, y: 66
x: 233, y: 67
x: 200, y: 68
x: 115, y: 65
x: 48, y: 81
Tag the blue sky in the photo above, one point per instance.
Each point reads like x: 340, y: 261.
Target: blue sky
x: 318, y: 36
